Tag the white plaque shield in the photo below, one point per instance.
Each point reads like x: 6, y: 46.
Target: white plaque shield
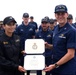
x: 34, y: 62
x: 34, y: 46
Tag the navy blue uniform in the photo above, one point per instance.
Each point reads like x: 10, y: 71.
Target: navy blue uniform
x: 10, y: 52
x: 25, y: 32
x: 1, y: 31
x: 63, y: 39
x: 74, y: 25
x: 40, y: 27
x: 34, y: 24
x: 47, y: 37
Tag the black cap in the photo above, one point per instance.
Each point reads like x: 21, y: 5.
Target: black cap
x: 9, y: 19
x: 46, y: 17
x: 25, y: 15
x: 44, y: 20
x: 60, y: 8
x: 51, y: 21
x: 31, y: 17
x: 70, y: 16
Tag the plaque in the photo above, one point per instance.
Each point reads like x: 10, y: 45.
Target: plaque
x: 34, y: 62
x: 34, y: 46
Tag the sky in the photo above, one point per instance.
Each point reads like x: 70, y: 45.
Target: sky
x: 36, y: 8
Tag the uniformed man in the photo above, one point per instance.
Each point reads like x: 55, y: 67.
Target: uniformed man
x: 51, y: 26
x: 64, y: 45
x: 10, y: 49
x: 46, y: 17
x: 1, y: 28
x: 25, y: 31
x: 46, y: 34
x: 33, y: 23
x: 55, y: 22
x: 70, y: 20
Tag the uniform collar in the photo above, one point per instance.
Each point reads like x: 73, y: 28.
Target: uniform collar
x: 64, y: 25
x: 8, y: 36
x: 64, y: 28
x: 24, y: 24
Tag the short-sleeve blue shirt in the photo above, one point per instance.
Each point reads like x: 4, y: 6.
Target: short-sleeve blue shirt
x: 47, y: 37
x: 63, y: 39
x: 25, y: 32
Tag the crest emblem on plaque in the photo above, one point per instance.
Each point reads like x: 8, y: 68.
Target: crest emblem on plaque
x: 34, y: 46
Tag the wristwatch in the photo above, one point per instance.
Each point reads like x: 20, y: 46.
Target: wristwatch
x: 56, y: 65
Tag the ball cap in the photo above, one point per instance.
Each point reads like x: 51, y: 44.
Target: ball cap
x: 51, y: 21
x: 31, y: 17
x: 8, y: 19
x: 60, y: 8
x: 44, y: 20
x: 70, y: 16
x: 25, y: 15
